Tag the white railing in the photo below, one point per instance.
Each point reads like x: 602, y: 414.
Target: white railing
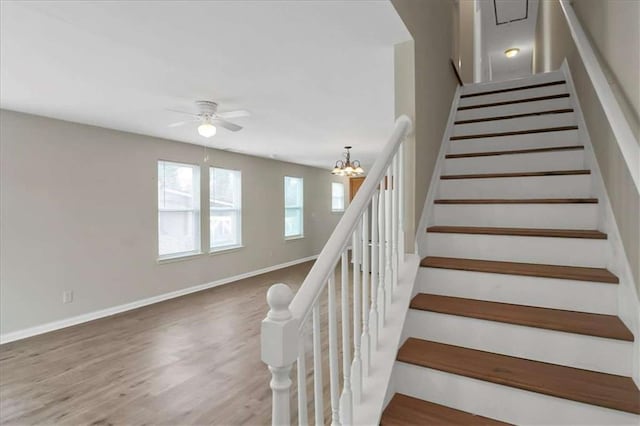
x: 619, y: 125
x: 371, y: 228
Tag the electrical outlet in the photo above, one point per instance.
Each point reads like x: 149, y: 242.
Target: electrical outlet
x: 67, y: 296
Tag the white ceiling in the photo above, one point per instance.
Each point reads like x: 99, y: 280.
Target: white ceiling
x: 316, y: 75
x: 506, y: 24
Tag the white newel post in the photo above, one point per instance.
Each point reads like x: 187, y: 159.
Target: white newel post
x: 279, y: 347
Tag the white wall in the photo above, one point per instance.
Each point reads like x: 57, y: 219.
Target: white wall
x: 553, y: 44
x: 78, y: 212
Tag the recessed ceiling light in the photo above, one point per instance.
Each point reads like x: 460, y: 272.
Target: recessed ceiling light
x: 512, y: 52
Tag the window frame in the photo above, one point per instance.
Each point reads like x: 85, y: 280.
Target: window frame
x: 238, y: 210
x: 300, y: 207
x: 197, y: 210
x: 338, y: 210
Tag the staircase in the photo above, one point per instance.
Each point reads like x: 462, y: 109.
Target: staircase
x: 514, y: 316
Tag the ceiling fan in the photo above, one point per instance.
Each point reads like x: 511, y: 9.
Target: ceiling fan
x: 209, y: 118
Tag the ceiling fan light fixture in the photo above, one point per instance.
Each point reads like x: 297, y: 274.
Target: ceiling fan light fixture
x: 207, y: 129
x: 510, y: 53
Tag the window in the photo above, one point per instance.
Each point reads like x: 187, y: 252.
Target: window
x: 225, y: 208
x: 178, y: 209
x: 293, y: 213
x: 337, y: 197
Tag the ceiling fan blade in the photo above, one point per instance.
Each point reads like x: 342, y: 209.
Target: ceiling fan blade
x: 233, y: 114
x: 181, y: 123
x: 193, y: 114
x: 177, y: 124
x: 226, y: 124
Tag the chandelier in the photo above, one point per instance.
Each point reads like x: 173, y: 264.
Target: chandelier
x: 347, y: 167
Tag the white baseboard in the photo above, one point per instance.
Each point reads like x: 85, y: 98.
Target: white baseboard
x: 79, y: 319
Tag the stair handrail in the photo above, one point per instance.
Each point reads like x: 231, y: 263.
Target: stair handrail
x: 340, y: 237
x: 624, y: 136
x: 377, y: 254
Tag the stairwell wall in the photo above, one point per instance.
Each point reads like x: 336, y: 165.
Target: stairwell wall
x: 431, y: 26
x: 78, y: 212
x: 553, y: 44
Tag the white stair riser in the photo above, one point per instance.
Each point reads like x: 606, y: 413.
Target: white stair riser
x: 514, y: 95
x: 562, y: 216
x: 554, y: 293
x: 555, y: 347
x: 510, y: 109
x: 550, y: 251
x: 534, y: 162
x: 517, y: 187
x: 501, y: 402
x: 508, y: 84
x: 515, y: 124
x: 508, y: 143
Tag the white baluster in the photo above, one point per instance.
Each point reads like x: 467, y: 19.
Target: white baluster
x: 279, y: 346
x: 365, y: 339
x: 395, y: 216
x: 333, y: 352
x: 317, y: 367
x: 402, y: 201
x: 382, y: 294
x: 388, y: 273
x: 346, y: 402
x: 373, y: 312
x: 303, y: 418
x: 356, y: 365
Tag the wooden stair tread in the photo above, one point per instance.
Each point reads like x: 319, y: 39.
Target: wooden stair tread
x: 514, y: 133
x: 406, y: 410
x: 590, y: 387
x: 515, y: 101
x: 517, y: 201
x: 522, y: 232
x: 518, y: 174
x: 514, y: 89
x: 606, y: 326
x: 512, y: 116
x: 515, y: 151
x: 578, y: 273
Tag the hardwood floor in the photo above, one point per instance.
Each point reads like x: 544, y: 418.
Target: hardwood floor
x: 191, y: 360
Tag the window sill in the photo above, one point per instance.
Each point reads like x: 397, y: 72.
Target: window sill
x: 337, y: 211
x: 226, y: 249
x: 294, y: 237
x: 178, y: 257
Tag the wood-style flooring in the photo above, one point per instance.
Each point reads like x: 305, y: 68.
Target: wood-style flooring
x: 187, y: 361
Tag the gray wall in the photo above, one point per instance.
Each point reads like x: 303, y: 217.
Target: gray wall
x: 404, y: 102
x: 553, y: 44
x: 467, y: 10
x: 78, y: 212
x: 431, y: 26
